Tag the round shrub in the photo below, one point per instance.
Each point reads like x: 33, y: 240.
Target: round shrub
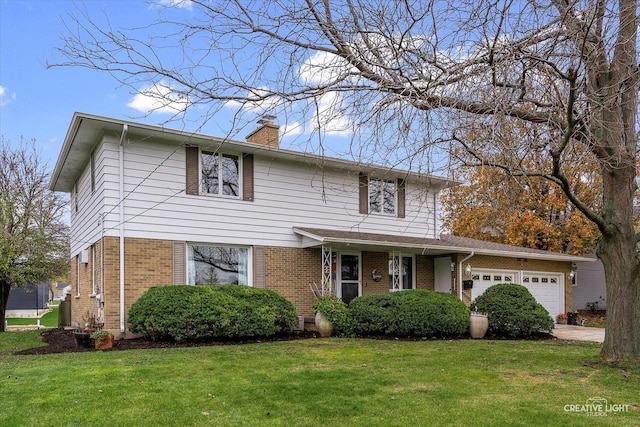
x: 410, y: 313
x: 513, y: 311
x: 195, y: 313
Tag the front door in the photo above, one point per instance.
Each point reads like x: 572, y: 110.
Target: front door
x: 349, y: 277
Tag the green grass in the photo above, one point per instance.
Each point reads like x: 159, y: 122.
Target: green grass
x: 49, y: 320
x: 337, y: 382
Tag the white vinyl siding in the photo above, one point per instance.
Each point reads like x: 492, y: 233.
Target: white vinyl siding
x: 286, y: 194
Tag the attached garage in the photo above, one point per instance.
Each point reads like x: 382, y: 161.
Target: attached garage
x: 546, y: 287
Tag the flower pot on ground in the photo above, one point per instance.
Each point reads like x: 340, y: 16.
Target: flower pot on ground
x: 323, y: 325
x: 562, y: 319
x: 331, y: 314
x: 103, y: 339
x: 572, y: 318
x: 478, y: 324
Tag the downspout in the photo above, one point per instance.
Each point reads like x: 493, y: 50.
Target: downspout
x: 125, y: 128
x: 460, y: 273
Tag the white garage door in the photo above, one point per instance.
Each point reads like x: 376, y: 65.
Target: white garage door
x: 546, y: 288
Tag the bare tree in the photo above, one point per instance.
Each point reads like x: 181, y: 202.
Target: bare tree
x: 34, y: 242
x: 394, y: 73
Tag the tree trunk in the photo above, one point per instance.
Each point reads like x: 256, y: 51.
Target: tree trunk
x: 617, y: 250
x: 5, y: 288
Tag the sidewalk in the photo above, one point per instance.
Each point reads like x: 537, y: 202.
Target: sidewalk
x: 578, y: 333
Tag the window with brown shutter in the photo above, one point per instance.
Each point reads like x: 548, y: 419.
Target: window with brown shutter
x: 247, y: 177
x: 364, y: 193
x: 193, y: 170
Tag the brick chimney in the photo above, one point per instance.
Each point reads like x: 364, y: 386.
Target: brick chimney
x: 266, y: 133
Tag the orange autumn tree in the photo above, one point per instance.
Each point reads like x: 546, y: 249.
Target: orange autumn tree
x: 493, y: 206
x: 502, y: 205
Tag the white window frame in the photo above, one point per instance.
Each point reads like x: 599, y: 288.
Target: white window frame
x: 221, y: 180
x: 94, y: 271
x: 381, y: 194
x: 249, y: 261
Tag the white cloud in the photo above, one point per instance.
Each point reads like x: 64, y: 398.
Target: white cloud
x: 330, y: 117
x: 292, y: 129
x: 159, y: 98
x: 323, y: 68
x: 6, y: 97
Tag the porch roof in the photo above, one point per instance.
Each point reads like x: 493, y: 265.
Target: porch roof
x: 446, y: 244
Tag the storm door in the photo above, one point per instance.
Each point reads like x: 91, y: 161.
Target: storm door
x: 349, y: 276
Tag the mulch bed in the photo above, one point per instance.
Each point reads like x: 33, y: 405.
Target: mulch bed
x: 63, y: 341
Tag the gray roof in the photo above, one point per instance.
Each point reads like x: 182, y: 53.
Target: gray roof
x: 446, y: 244
x: 86, y: 130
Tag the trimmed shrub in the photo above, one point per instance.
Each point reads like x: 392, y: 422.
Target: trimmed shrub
x: 414, y: 313
x: 195, y: 313
x: 336, y: 312
x: 513, y: 311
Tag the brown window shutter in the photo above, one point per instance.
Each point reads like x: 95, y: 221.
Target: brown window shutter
x: 258, y: 267
x: 193, y: 172
x: 179, y: 263
x: 364, y: 193
x: 247, y: 177
x: 401, y: 198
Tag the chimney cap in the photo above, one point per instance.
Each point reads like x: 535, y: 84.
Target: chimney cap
x: 266, y: 119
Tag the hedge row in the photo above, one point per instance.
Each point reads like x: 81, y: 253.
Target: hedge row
x: 191, y: 313
x: 194, y: 313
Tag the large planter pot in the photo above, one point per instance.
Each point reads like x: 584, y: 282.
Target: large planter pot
x: 478, y: 325
x: 104, y: 343
x: 572, y: 318
x: 323, y: 326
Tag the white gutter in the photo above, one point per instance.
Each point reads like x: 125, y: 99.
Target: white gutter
x: 125, y: 128
x: 460, y: 273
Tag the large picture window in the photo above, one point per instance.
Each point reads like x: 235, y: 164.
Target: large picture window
x: 382, y: 196
x: 218, y: 265
x: 220, y: 174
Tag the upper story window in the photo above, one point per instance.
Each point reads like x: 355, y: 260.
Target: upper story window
x: 382, y: 196
x: 215, y: 173
x: 220, y: 174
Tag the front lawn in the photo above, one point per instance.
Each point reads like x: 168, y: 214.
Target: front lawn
x: 318, y: 382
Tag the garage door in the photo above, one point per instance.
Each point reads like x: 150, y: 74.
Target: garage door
x: 546, y: 288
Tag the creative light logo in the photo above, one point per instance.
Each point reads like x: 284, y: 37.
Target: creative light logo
x: 596, y: 407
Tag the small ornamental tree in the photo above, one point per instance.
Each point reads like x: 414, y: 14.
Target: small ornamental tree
x: 513, y: 311
x: 34, y: 243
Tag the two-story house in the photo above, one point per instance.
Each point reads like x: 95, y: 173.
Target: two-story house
x: 152, y: 206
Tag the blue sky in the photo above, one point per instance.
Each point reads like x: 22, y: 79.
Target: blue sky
x: 38, y: 103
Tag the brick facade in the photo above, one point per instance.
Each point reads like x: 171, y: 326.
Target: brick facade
x: 288, y: 271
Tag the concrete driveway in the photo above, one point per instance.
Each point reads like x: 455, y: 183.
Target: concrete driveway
x: 578, y: 333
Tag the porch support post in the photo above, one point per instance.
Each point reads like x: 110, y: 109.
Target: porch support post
x: 396, y: 286
x: 327, y: 285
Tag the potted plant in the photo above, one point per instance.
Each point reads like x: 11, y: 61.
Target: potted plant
x: 103, y: 339
x: 562, y: 318
x: 330, y: 311
x: 572, y: 317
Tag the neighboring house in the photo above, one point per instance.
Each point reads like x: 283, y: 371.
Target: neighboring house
x: 152, y: 206
x: 28, y: 301
x: 589, y: 286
